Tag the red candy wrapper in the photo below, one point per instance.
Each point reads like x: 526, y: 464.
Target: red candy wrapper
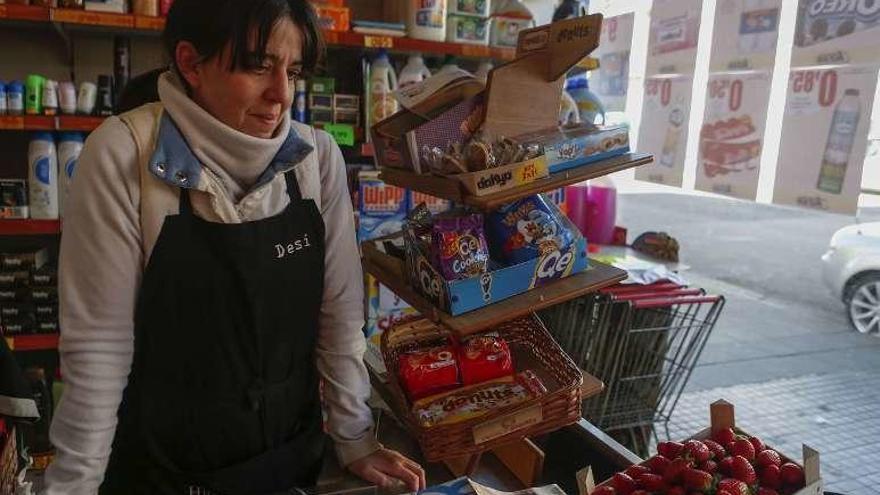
x: 483, y: 358
x: 429, y: 371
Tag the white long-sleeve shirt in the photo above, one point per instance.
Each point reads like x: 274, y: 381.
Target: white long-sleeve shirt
x: 107, y: 241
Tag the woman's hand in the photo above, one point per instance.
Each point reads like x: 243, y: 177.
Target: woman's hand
x: 384, y: 466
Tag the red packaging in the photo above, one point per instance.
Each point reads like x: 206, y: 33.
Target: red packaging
x: 483, y: 358
x: 429, y: 371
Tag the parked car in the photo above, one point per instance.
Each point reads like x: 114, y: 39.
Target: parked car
x: 851, y: 268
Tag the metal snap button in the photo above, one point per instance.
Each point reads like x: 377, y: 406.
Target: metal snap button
x: 181, y: 177
x: 160, y: 167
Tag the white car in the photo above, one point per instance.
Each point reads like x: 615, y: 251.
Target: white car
x: 852, y: 271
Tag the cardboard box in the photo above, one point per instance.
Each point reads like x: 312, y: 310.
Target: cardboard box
x: 441, y: 111
x: 460, y: 296
x: 499, y: 179
x: 384, y: 307
x: 382, y: 208
x: 435, y: 205
x: 333, y: 18
x: 570, y: 147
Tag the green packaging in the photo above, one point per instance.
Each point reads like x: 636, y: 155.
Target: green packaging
x: 33, y: 94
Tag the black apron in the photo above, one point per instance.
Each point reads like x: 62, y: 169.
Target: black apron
x: 223, y: 392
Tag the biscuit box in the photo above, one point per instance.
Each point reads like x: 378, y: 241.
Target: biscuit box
x: 434, y: 205
x: 570, y: 147
x: 460, y: 296
x: 382, y: 207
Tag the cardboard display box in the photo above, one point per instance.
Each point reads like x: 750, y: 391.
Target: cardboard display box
x: 521, y: 96
x: 570, y: 147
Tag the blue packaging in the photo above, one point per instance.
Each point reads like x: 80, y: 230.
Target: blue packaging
x: 574, y: 146
x: 382, y: 208
x: 526, y: 229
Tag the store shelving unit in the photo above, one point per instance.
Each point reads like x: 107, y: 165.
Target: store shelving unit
x: 38, y: 342
x: 49, y: 123
x: 29, y: 227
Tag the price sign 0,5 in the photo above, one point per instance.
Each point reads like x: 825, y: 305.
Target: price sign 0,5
x: 725, y: 89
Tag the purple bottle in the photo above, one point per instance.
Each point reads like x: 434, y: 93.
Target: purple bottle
x: 592, y: 206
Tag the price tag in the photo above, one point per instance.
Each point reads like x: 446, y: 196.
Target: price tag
x: 810, y: 91
x: 378, y: 42
x: 342, y: 133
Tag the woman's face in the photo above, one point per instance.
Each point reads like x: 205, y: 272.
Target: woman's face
x: 252, y: 101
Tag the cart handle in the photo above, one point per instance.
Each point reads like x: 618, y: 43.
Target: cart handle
x: 658, y: 295
x: 626, y: 288
x: 666, y: 302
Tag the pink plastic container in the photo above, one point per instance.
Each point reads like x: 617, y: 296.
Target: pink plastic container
x: 592, y: 206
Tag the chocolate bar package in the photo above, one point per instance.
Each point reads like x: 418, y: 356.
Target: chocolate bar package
x: 47, y: 326
x: 484, y: 357
x: 48, y: 275
x: 18, y: 295
x: 459, y: 245
x: 18, y: 326
x: 429, y: 370
x: 16, y: 310
x: 46, y: 311
x: 527, y: 229
x: 44, y: 294
x: 29, y: 258
x: 14, y: 279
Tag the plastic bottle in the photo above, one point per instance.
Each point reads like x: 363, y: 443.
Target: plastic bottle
x: 88, y: 95
x: 299, y: 101
x: 509, y: 17
x: 105, y: 104
x: 838, y: 148
x: 33, y: 101
x: 569, y: 9
x: 483, y: 71
x: 592, y: 207
x: 15, y: 98
x: 426, y: 20
x: 415, y: 71
x: 67, y: 97
x: 43, y: 177
x: 50, y: 97
x: 669, y: 153
x: 383, y: 82
x: 2, y: 98
x: 589, y: 105
x: 69, y: 147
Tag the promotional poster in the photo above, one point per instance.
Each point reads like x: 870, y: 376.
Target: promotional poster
x: 664, y: 128
x: 675, y: 31
x: 610, y: 81
x: 732, y: 135
x: 745, y: 36
x: 824, y: 137
x: 836, y: 32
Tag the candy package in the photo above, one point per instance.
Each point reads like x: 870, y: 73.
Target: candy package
x: 476, y: 400
x: 429, y: 370
x: 526, y: 229
x: 459, y: 245
x: 483, y: 358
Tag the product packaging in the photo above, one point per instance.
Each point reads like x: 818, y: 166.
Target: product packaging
x: 527, y: 229
x: 484, y: 357
x: 430, y: 370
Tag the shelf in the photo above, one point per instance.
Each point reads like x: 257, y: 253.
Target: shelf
x: 451, y: 189
x: 39, y: 342
x: 137, y: 23
x: 390, y: 271
x: 49, y: 123
x: 30, y: 227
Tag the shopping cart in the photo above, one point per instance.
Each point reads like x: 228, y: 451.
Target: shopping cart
x: 643, y: 342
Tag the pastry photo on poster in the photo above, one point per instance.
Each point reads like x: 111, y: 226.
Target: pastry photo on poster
x: 664, y: 128
x: 675, y: 31
x: 825, y: 137
x: 731, y: 138
x: 836, y: 32
x: 611, y: 80
x: 745, y: 35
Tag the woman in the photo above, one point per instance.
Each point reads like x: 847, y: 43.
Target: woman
x: 209, y: 276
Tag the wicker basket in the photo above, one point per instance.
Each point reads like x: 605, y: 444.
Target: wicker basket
x: 533, y: 347
x: 8, y: 464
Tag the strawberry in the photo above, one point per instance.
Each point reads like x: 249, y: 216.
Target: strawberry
x: 735, y: 487
x: 651, y: 482
x: 757, y: 444
x: 766, y: 491
x: 669, y: 450
x: 743, y: 447
x: 743, y: 470
x: 697, y: 451
x: 729, y: 447
x: 726, y: 466
x: 724, y: 436
x: 676, y: 490
x: 710, y: 467
x: 770, y: 476
x: 718, y: 451
x: 767, y: 457
x: 697, y: 480
x: 603, y: 490
x: 658, y: 464
x: 635, y: 470
x: 623, y: 484
x: 792, y: 474
x: 675, y: 469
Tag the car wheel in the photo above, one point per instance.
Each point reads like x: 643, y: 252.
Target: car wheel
x: 863, y: 303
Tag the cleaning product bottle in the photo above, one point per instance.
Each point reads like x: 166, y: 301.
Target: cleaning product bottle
x: 483, y: 71
x: 426, y: 19
x: 569, y: 9
x: 568, y: 110
x: 509, y: 17
x: 43, y: 177
x: 450, y: 63
x: 50, y: 97
x: 588, y: 104
x: 592, y: 207
x: 69, y: 147
x: 383, y: 82
x: 33, y: 102
x: 415, y: 71
x: 299, y: 101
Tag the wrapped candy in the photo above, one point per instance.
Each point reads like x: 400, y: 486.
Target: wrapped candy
x: 459, y: 245
x: 527, y: 229
x: 483, y: 358
x: 429, y: 370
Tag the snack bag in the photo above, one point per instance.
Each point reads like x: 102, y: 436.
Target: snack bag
x: 477, y: 400
x: 428, y: 371
x: 459, y: 245
x: 526, y: 229
x: 483, y: 358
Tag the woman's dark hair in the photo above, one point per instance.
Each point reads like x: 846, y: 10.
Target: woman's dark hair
x: 210, y: 24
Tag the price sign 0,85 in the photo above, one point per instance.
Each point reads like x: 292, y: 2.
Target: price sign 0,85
x: 818, y: 84
x: 661, y: 88
x: 730, y: 90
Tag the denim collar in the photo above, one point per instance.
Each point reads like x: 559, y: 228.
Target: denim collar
x: 174, y: 163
